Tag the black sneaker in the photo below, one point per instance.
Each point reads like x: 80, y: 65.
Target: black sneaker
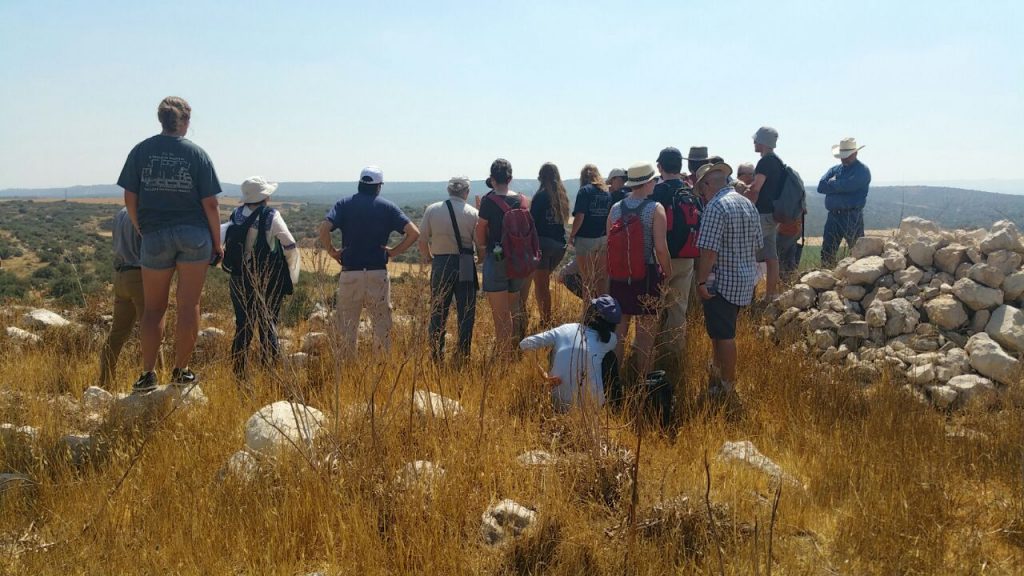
x: 145, y: 383
x: 183, y: 377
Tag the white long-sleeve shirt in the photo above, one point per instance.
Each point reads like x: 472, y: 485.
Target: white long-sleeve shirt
x: 278, y: 229
x: 577, y: 353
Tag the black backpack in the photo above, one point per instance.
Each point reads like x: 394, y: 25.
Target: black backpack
x: 234, y: 243
x: 269, y: 267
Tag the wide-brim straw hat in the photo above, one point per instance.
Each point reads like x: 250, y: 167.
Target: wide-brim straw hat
x: 706, y: 169
x: 256, y: 190
x: 847, y: 147
x: 640, y: 173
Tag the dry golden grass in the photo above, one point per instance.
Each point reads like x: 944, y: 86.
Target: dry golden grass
x: 885, y: 489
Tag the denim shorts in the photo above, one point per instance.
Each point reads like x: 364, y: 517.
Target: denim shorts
x: 184, y: 243
x: 495, y: 279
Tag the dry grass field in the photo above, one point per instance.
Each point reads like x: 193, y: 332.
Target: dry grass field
x: 883, y: 483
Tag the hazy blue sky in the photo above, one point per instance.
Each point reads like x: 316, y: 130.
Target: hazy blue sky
x: 313, y: 91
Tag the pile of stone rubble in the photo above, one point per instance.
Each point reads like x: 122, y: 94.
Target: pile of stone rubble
x: 942, y: 308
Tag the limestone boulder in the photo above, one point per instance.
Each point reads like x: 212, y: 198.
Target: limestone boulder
x: 856, y: 329
x: 1004, y: 238
x: 989, y: 359
x: 800, y: 296
x: 745, y: 452
x: 427, y: 403
x: 946, y: 312
x: 973, y: 389
x: 901, y: 317
x: 1013, y: 287
x: 921, y: 253
x: 917, y: 227
x: 23, y: 336
x: 505, y: 519
x: 867, y: 246
x: 876, y: 314
x: 1006, y: 261
x: 911, y: 275
x: 281, y: 425
x: 976, y: 296
x: 96, y: 399
x: 894, y: 260
x: 986, y: 274
x: 1006, y: 326
x: 856, y: 293
x: 44, y: 319
x: 948, y: 258
x: 866, y: 271
x: 819, y: 280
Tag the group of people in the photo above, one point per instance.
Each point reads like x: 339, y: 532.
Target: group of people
x: 644, y: 239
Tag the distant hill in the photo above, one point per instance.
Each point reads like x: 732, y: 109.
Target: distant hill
x: 949, y: 207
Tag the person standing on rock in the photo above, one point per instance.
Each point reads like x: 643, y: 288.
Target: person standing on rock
x: 768, y: 179
x: 845, y: 187
x: 446, y: 244
x: 730, y: 236
x: 258, y: 287
x: 366, y: 222
x: 170, y: 191
x: 128, y: 293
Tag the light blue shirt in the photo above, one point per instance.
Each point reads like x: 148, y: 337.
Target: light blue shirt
x: 845, y: 187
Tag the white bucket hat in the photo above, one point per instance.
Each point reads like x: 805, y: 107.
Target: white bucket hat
x: 846, y: 148
x: 256, y: 190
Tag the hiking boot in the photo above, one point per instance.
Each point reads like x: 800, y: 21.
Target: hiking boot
x: 183, y: 377
x: 146, y: 383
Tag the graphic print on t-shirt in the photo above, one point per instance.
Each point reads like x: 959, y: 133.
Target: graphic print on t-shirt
x: 167, y: 173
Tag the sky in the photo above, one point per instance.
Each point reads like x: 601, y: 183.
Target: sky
x: 313, y: 91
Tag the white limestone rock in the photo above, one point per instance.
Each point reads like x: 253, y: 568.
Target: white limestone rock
x: 866, y: 270
x: 536, y: 458
x: 990, y: 360
x: 1006, y: 326
x: 44, y: 319
x: 948, y: 258
x: 973, y: 389
x: 853, y: 292
x: 281, y: 425
x: 921, y: 374
x: 921, y: 253
x: 745, y: 452
x: 946, y: 312
x: 1006, y: 261
x: 911, y: 275
x: 901, y: 317
x: 427, y: 403
x: 894, y: 260
x: 1006, y: 238
x: 505, y: 519
x: 96, y: 399
x: 876, y: 314
x: 1013, y: 287
x: 242, y: 466
x: 855, y: 329
x: 23, y: 336
x: 819, y: 280
x: 986, y: 274
x: 867, y: 246
x: 976, y: 296
x: 943, y: 396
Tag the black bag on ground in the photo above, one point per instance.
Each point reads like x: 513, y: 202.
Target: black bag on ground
x: 234, y: 243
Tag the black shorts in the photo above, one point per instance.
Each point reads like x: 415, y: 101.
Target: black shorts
x: 720, y: 318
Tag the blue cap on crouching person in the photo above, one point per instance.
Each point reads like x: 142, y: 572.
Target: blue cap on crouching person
x: 607, y: 307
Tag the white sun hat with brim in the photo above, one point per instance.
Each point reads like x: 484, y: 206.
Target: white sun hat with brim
x: 256, y: 190
x: 847, y: 147
x: 640, y: 173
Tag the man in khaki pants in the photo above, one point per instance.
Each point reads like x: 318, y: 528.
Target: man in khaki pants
x: 366, y: 222
x: 127, y: 293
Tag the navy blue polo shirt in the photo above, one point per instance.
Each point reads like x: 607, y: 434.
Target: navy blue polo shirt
x: 366, y: 222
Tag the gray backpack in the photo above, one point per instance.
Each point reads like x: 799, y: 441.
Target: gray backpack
x: 792, y: 201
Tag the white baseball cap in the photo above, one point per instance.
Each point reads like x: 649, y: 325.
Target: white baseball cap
x: 372, y: 175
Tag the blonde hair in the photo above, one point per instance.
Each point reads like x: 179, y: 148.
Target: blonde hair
x: 591, y: 175
x: 551, y: 181
x: 172, y: 113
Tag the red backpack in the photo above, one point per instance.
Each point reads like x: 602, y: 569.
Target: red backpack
x: 519, y: 241
x: 683, y: 219
x: 626, y: 258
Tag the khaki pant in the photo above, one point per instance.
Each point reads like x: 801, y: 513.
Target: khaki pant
x: 359, y: 290
x: 128, y: 305
x: 677, y: 300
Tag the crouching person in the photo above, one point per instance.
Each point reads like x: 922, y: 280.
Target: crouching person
x: 261, y: 255
x: 579, y: 352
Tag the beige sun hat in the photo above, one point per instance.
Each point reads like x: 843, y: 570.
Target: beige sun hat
x: 709, y: 168
x: 640, y: 173
x: 256, y: 190
x: 846, y: 148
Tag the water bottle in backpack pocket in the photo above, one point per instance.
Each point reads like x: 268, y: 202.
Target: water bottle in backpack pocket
x: 520, y: 246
